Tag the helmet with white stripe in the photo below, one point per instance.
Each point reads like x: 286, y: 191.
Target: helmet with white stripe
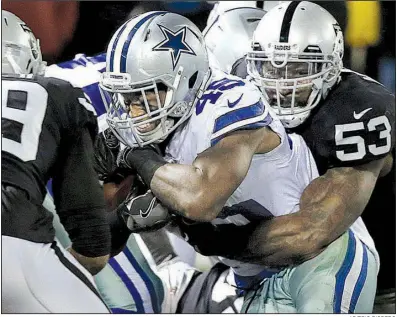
x: 229, y: 37
x: 21, y: 52
x: 296, y: 58
x: 158, y: 61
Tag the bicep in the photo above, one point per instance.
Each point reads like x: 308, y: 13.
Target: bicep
x: 224, y: 166
x: 343, y: 181
x: 331, y: 203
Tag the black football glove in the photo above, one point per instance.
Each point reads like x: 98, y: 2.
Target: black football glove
x: 143, y: 212
x: 227, y: 240
x: 106, y: 149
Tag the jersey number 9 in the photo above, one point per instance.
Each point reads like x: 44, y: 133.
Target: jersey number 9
x: 23, y: 111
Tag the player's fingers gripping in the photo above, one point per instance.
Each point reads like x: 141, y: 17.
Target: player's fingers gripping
x: 111, y: 141
x: 105, y: 160
x: 144, y: 213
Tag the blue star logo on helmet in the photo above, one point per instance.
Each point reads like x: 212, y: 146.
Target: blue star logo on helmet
x: 175, y: 43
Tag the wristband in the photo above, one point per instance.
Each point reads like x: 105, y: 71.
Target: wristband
x: 145, y: 161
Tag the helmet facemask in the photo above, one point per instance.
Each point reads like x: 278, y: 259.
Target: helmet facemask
x: 144, y: 112
x: 292, y: 83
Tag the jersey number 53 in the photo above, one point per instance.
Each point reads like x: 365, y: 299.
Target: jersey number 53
x: 358, y: 139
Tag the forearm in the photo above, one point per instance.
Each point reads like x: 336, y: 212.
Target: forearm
x: 79, y: 200
x: 177, y: 186
x: 183, y: 188
x: 200, y: 190
x: 283, y: 241
x: 329, y: 206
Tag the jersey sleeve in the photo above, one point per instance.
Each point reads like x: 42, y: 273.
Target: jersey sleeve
x: 355, y: 125
x: 78, y: 197
x: 73, y: 107
x: 241, y: 108
x: 84, y: 112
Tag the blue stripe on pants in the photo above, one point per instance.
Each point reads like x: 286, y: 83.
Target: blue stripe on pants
x: 129, y: 284
x: 148, y: 282
x: 360, y: 282
x: 343, y: 272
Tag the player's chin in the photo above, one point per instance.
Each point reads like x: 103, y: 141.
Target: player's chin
x: 115, y: 194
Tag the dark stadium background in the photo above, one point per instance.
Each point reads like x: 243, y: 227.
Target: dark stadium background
x: 66, y: 28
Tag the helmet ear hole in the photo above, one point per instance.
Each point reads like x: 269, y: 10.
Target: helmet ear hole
x: 192, y: 80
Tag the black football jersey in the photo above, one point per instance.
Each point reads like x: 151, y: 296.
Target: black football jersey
x: 41, y: 118
x: 354, y: 125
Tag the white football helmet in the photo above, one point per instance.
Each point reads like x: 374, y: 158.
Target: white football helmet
x: 21, y: 52
x: 221, y: 6
x: 229, y: 37
x: 296, y: 58
x: 158, y: 60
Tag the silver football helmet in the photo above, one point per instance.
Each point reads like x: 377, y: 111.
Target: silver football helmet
x: 229, y: 37
x: 296, y: 58
x: 221, y: 6
x: 21, y: 52
x: 156, y: 70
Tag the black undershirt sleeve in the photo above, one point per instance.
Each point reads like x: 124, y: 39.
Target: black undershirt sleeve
x: 79, y: 198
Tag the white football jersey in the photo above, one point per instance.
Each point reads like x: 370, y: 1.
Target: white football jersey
x: 83, y: 72
x: 275, y: 180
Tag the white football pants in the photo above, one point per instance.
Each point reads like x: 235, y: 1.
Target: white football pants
x: 45, y: 278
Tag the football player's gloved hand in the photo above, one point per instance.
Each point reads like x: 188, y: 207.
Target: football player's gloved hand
x: 197, y: 234
x: 111, y: 141
x: 106, y: 149
x: 143, y: 213
x: 227, y: 240
x: 105, y: 155
x: 122, y: 158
